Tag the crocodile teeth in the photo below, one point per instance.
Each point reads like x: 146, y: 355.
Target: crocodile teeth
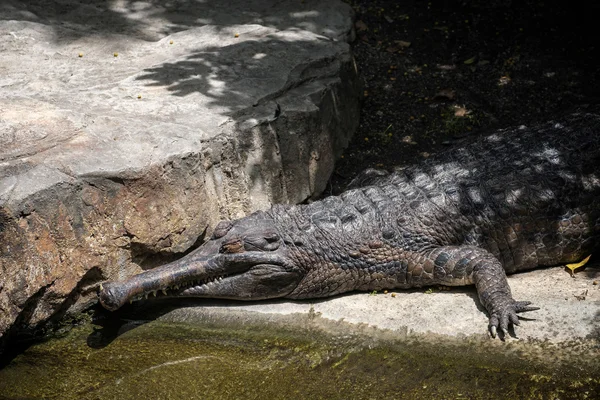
x: 164, y: 292
x: 146, y: 296
x: 154, y: 293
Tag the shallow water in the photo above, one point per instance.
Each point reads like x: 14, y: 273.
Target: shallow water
x: 167, y: 360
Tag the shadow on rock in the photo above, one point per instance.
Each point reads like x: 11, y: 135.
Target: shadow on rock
x: 151, y: 20
x: 237, y: 75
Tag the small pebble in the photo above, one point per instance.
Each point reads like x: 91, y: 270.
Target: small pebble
x: 595, y: 283
x: 393, y: 294
x: 116, y: 54
x: 385, y: 292
x: 170, y: 42
x: 80, y: 55
x: 236, y: 35
x: 139, y: 96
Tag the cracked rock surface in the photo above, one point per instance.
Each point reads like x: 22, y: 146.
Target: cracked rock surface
x: 128, y: 129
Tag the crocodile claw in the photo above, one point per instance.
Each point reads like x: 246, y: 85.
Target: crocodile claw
x: 503, y: 318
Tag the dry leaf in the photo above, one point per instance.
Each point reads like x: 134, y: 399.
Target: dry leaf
x: 445, y: 94
x: 504, y: 80
x: 361, y: 26
x: 582, y: 296
x: 408, y: 139
x: 392, y: 49
x: 402, y: 43
x: 460, y: 111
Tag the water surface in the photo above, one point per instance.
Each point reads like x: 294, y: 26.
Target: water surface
x: 170, y: 360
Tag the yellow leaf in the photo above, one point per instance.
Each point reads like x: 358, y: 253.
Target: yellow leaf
x: 573, y: 267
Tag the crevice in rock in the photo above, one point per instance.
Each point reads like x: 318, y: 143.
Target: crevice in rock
x: 17, y: 334
x: 30, y: 305
x: 116, y: 180
x: 20, y: 338
x: 147, y: 259
x: 89, y: 282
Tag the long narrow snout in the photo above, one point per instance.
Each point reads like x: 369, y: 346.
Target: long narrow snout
x: 172, y: 277
x: 240, y: 276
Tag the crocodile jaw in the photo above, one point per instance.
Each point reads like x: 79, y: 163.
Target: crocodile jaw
x: 241, y: 276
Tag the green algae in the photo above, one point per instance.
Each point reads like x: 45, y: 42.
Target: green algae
x: 170, y: 360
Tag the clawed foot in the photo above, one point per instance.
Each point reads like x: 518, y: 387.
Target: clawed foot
x: 500, y: 319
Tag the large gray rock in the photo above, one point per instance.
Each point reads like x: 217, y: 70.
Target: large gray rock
x: 128, y: 129
x: 569, y: 312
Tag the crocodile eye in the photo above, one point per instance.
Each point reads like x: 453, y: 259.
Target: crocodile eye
x: 233, y: 245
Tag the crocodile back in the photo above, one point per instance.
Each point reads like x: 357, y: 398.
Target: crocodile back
x: 531, y: 196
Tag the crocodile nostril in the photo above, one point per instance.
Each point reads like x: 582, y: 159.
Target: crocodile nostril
x: 264, y: 242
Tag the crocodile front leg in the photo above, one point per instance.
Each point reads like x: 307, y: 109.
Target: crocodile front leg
x: 460, y: 265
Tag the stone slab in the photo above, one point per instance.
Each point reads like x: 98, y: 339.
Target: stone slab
x: 128, y: 129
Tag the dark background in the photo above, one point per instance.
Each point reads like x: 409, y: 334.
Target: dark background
x: 467, y: 68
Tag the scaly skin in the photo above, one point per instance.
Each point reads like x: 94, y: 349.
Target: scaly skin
x: 512, y: 201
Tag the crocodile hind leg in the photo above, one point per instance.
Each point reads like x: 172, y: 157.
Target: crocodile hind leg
x: 459, y: 265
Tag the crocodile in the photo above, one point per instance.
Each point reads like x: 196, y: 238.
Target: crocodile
x: 510, y: 201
